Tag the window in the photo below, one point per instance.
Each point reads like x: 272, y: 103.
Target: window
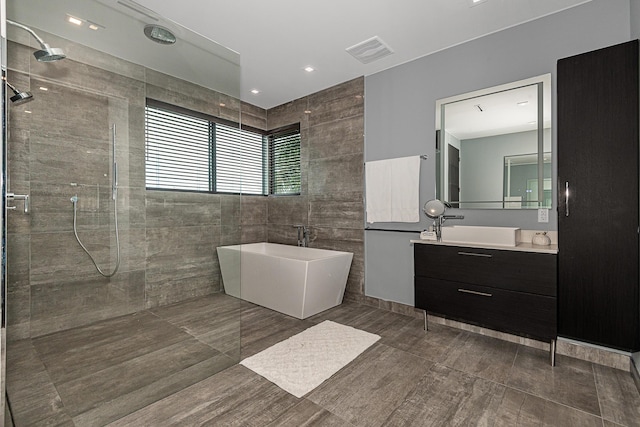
x: 284, y: 161
x: 190, y: 151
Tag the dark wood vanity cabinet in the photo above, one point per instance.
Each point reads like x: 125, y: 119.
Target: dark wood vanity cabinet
x: 509, y: 291
x: 598, y: 198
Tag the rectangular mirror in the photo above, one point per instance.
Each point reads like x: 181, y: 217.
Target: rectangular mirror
x: 493, y: 147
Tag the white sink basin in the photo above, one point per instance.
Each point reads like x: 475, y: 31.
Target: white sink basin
x: 477, y: 235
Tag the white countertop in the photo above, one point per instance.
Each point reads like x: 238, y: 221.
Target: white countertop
x: 521, y: 247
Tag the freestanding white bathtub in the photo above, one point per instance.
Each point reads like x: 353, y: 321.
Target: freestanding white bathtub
x: 299, y: 282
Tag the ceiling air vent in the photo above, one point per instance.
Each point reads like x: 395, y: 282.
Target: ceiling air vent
x: 370, y: 50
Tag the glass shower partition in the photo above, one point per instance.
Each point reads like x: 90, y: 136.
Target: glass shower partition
x: 78, y: 149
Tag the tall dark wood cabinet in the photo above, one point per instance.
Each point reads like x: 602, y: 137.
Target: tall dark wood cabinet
x: 598, y: 197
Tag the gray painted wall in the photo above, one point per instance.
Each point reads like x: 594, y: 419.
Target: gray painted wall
x: 400, y: 113
x: 635, y: 19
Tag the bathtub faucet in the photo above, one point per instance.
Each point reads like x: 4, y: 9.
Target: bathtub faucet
x: 303, y: 235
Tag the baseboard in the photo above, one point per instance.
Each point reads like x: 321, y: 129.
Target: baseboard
x: 578, y: 350
x: 635, y: 374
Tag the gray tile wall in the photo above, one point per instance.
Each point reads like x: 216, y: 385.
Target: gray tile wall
x: 331, y: 199
x: 167, y: 239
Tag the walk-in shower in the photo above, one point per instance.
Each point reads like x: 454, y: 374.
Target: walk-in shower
x: 155, y: 308
x: 114, y: 196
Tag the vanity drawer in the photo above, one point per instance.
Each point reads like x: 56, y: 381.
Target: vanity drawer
x: 529, y: 272
x: 506, y: 311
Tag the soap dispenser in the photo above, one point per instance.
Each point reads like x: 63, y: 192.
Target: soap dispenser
x: 541, y: 239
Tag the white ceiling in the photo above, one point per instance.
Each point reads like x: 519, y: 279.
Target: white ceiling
x: 276, y: 39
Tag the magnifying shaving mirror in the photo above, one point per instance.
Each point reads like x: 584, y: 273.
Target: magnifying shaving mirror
x: 434, y: 208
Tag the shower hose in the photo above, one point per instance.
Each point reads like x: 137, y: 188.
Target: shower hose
x: 74, y: 200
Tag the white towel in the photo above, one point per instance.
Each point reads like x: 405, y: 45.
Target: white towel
x: 392, y: 190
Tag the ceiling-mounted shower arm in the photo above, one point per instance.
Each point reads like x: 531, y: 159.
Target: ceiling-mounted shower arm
x: 47, y: 53
x: 30, y: 31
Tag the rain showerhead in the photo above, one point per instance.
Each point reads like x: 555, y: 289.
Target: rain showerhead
x: 19, y: 97
x: 159, y: 34
x: 47, y: 53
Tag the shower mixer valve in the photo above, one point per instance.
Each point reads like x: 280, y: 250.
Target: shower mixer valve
x: 25, y: 197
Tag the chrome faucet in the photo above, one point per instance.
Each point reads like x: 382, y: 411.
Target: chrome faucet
x: 437, y: 224
x: 303, y: 235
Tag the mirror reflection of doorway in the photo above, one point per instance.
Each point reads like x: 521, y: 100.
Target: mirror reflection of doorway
x: 453, y: 156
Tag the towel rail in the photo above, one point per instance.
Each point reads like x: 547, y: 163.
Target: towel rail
x: 395, y: 231
x: 422, y: 157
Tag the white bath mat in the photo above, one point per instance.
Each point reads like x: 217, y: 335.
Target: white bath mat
x: 301, y: 363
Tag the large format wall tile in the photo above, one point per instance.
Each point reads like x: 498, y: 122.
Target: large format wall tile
x: 181, y: 263
x: 337, y: 138
x: 177, y: 209
x: 73, y: 302
x: 167, y: 239
x: 289, y: 113
x: 336, y: 174
x: 338, y: 102
x: 288, y: 210
x: 253, y: 116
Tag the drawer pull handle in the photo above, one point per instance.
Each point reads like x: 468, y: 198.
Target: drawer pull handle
x: 482, y: 294
x: 475, y: 254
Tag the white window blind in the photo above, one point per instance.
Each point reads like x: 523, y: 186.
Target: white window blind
x: 239, y: 161
x: 177, y: 151
x: 190, y: 151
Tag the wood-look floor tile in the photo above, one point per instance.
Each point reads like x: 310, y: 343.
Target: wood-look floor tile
x: 33, y: 397
x: 522, y: 409
x: 192, y: 311
x: 367, y: 390
x: 347, y: 313
x: 447, y: 396
x: 168, y: 385
x: 571, y: 382
x: 486, y: 357
x: 87, y: 392
x: 262, y: 328
x: 234, y: 397
x: 619, y: 397
x: 412, y: 338
x: 381, y: 322
x: 308, y: 414
x: 73, y: 354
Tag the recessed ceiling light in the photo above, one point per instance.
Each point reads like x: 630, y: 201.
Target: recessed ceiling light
x: 309, y: 69
x: 532, y: 123
x: 255, y: 91
x: 44, y: 88
x: 27, y: 111
x: 222, y: 104
x: 522, y: 103
x: 94, y: 27
x: 475, y: 2
x: 307, y: 111
x: 74, y: 20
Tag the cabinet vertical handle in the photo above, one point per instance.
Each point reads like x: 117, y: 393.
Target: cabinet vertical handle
x: 566, y: 198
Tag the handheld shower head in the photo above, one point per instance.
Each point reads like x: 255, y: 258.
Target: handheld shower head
x: 19, y: 97
x: 46, y: 53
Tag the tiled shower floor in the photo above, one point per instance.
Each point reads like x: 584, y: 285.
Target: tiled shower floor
x: 158, y: 367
